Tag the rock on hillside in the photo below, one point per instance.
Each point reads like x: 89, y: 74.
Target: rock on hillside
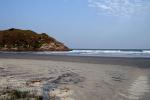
x: 27, y: 40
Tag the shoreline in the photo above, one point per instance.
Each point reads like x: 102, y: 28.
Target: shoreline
x: 132, y: 61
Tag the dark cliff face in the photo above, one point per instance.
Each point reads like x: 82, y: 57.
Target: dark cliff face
x: 27, y: 40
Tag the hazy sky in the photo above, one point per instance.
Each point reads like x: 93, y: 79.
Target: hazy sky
x: 82, y: 23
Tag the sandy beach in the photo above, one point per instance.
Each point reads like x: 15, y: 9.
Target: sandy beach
x: 87, y: 78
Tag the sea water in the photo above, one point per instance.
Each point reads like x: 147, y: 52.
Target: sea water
x: 102, y: 52
x: 96, y: 52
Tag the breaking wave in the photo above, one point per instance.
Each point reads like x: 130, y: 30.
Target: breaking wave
x: 107, y: 53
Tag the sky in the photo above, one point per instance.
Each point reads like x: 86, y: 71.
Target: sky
x: 92, y: 24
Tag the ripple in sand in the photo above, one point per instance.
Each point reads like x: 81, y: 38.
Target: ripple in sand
x: 139, y: 88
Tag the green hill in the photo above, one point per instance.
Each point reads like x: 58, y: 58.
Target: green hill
x: 27, y: 40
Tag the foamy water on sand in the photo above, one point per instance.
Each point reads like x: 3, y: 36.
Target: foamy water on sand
x: 138, y: 88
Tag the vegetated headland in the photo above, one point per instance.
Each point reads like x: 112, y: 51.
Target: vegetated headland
x: 27, y: 40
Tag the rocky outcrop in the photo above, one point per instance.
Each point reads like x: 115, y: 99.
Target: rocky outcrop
x: 27, y: 40
x: 53, y: 47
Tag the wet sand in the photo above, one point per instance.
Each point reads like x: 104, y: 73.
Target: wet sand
x: 77, y: 78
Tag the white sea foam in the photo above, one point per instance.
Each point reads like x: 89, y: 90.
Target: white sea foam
x: 111, y: 52
x: 146, y: 51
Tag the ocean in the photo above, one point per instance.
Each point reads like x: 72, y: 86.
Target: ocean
x: 139, y: 53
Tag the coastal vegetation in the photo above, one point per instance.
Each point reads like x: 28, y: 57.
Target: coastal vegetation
x: 19, y: 95
x: 27, y: 40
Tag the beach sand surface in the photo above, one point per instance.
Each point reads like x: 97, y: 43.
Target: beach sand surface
x: 62, y: 80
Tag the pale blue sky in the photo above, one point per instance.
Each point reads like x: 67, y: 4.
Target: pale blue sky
x: 104, y: 24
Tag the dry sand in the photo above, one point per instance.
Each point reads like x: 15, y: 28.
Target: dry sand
x: 60, y: 80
